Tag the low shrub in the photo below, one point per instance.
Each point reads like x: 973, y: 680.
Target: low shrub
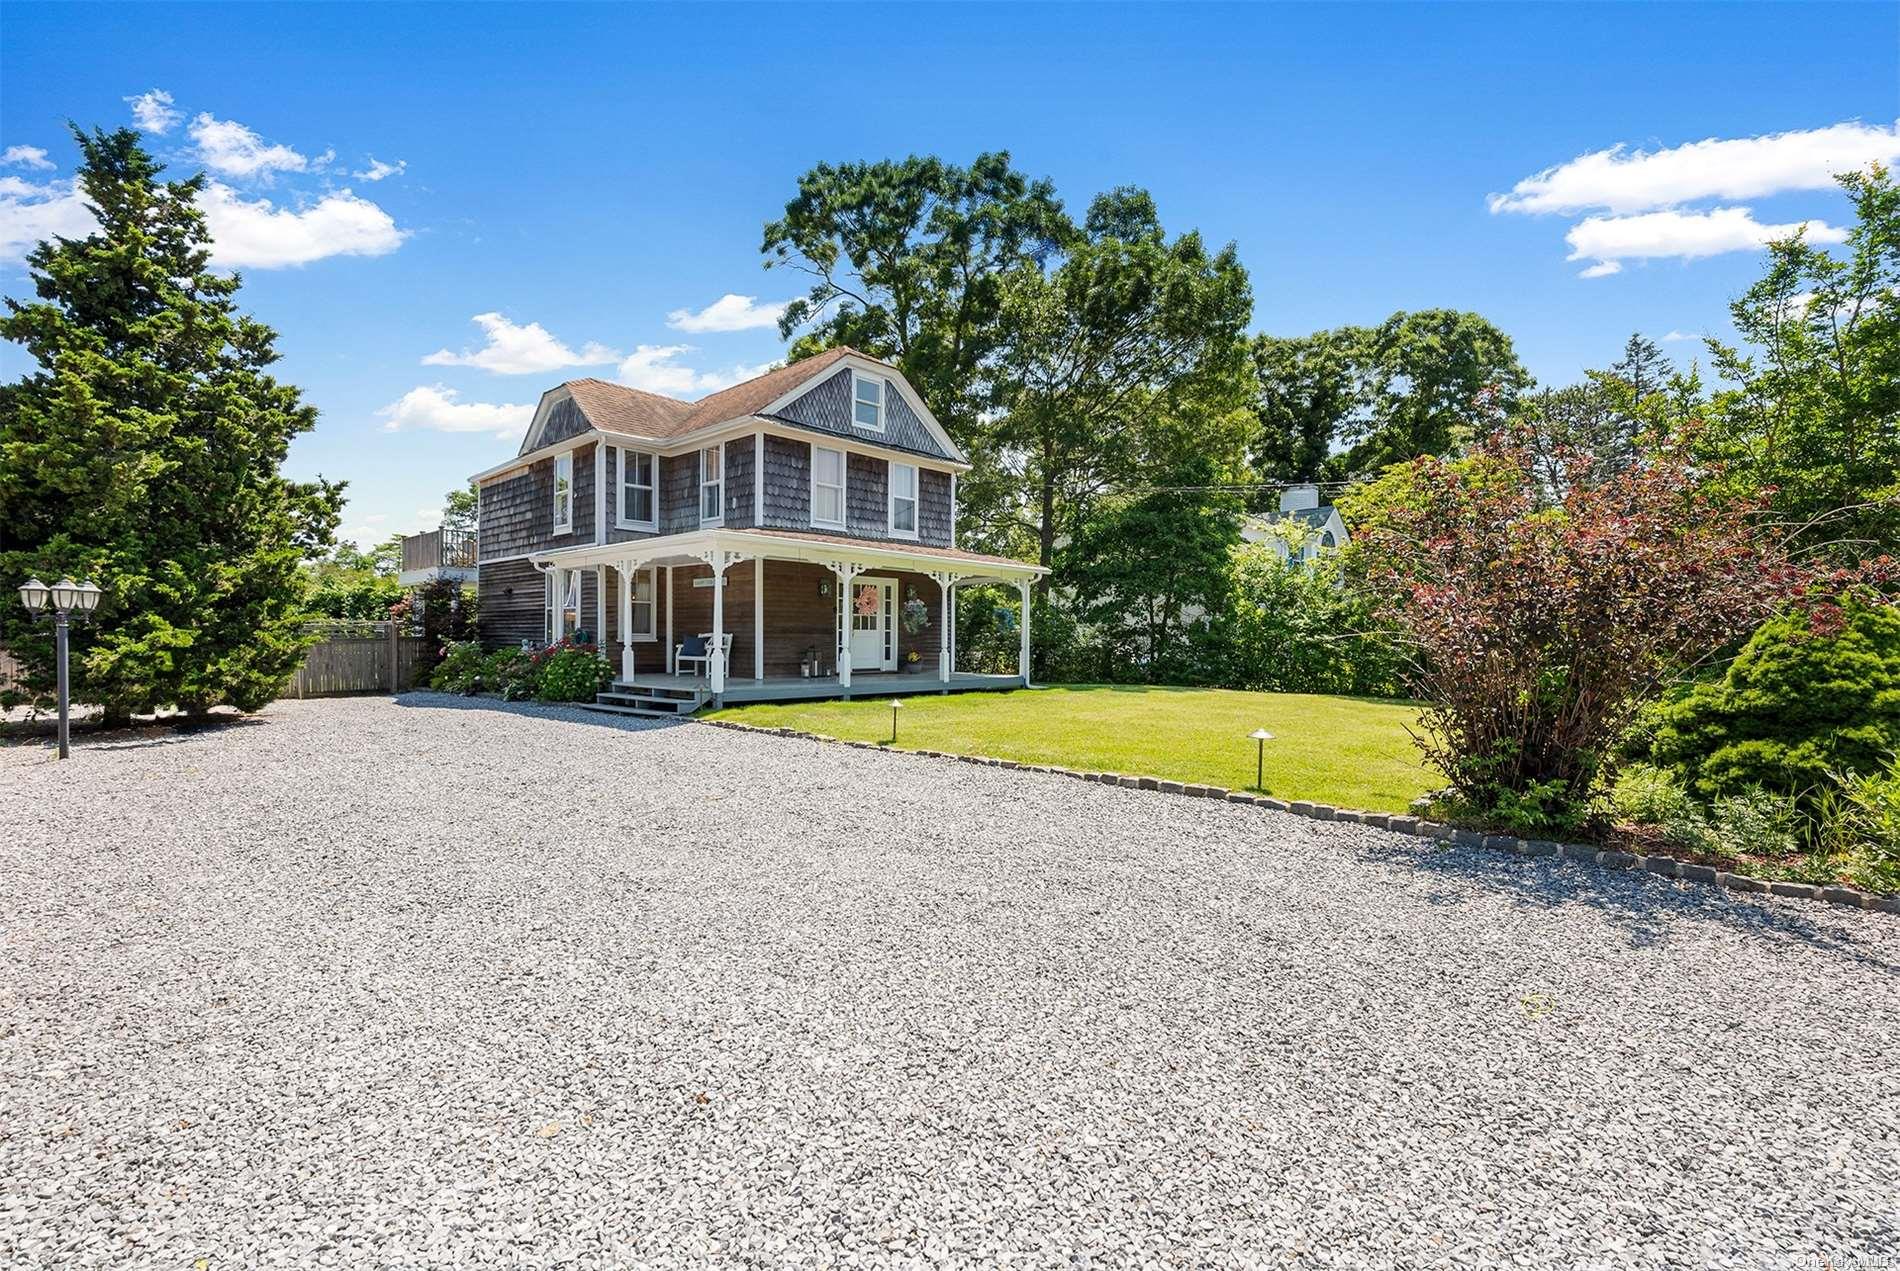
x: 511, y: 673
x: 1792, y: 709
x: 1858, y: 829
x: 459, y: 670
x: 571, y: 671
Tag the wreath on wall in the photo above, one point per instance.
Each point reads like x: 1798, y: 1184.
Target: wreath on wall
x: 865, y: 604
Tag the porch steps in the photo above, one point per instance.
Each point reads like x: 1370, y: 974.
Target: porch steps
x: 654, y: 702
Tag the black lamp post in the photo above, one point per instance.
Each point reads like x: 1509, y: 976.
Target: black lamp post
x: 63, y: 599
x: 895, y: 707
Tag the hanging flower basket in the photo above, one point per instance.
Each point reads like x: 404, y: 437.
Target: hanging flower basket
x: 916, y: 616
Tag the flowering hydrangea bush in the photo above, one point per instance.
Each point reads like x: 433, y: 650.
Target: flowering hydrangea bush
x: 570, y: 671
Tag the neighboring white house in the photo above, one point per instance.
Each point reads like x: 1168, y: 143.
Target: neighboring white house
x: 1323, y: 530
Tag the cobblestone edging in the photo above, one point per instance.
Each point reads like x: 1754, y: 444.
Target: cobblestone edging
x: 1666, y: 866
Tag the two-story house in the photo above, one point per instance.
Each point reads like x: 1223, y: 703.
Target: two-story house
x: 791, y: 536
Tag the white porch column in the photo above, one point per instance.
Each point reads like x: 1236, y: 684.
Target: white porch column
x: 667, y: 654
x: 1022, y: 656
x: 600, y: 606
x: 716, y: 658
x: 758, y: 612
x: 845, y: 572
x: 945, y: 581
x: 626, y: 621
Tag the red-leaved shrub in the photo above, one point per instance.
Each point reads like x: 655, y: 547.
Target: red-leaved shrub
x: 1538, y: 625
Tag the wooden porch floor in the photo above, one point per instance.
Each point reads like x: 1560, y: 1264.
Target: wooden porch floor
x: 793, y: 688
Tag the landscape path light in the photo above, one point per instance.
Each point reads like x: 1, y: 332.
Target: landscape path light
x: 1260, y: 739
x: 895, y: 706
x: 62, y: 600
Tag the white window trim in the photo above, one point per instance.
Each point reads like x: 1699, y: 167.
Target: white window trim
x: 564, y: 460
x: 560, y: 584
x: 844, y: 488
x: 653, y: 604
x: 890, y: 501
x: 699, y: 491
x: 620, y: 488
x: 883, y: 389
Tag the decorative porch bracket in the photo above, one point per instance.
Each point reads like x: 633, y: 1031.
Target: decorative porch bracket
x: 846, y: 571
x: 945, y: 580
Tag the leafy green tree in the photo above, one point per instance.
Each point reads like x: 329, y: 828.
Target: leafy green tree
x: 907, y: 260
x: 353, y: 584
x: 1306, y: 388
x: 1589, y: 432
x: 1130, y: 338
x: 1146, y: 567
x: 145, y: 452
x: 461, y: 509
x: 1341, y: 403
x: 1811, y: 403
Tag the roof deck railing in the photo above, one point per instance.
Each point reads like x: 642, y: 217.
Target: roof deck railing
x: 439, y: 549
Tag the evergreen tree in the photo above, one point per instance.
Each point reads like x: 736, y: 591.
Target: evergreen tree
x: 145, y: 453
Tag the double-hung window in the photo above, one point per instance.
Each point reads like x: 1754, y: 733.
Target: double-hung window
x: 564, y: 492
x: 640, y: 605
x: 903, y: 500
x: 712, y: 486
x: 867, y: 404
x: 827, y: 487
x: 563, y: 593
x: 637, y: 495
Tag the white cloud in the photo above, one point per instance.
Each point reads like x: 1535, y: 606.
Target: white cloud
x: 153, y: 111
x: 1677, y: 336
x: 521, y: 350
x: 434, y: 406
x: 30, y: 213
x: 246, y: 233
x: 377, y: 169
x: 226, y: 146
x: 251, y: 233
x: 653, y: 367
x: 26, y: 157
x: 728, y: 313
x: 1620, y: 180
x: 1610, y: 240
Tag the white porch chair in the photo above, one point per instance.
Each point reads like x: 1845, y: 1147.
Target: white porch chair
x: 704, y: 660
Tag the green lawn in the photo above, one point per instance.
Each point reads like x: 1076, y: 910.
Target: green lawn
x: 1347, y: 751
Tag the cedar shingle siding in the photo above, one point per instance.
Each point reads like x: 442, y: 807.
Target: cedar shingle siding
x: 787, y: 485
x: 564, y: 420
x: 741, y: 456
x: 679, y: 494
x: 866, y: 506
x: 827, y: 408
x: 513, y: 603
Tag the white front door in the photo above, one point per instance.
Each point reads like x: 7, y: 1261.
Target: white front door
x: 873, y: 614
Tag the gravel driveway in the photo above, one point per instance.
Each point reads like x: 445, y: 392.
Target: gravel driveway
x: 355, y: 984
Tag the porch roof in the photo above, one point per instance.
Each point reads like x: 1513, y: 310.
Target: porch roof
x: 699, y: 546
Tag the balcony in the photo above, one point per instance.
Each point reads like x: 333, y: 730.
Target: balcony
x: 437, y: 554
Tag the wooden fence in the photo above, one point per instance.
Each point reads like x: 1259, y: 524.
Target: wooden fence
x: 358, y: 657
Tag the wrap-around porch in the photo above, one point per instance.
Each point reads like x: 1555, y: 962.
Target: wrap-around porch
x: 750, y: 615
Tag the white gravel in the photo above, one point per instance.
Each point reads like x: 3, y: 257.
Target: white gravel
x: 431, y: 982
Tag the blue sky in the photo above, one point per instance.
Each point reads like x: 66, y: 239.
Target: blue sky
x: 385, y: 174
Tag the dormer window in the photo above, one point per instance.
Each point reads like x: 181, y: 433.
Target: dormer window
x: 867, y: 407
x: 564, y: 492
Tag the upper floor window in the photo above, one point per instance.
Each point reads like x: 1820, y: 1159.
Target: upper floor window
x: 867, y: 406
x: 827, y: 487
x: 637, y: 495
x: 564, y: 492
x: 712, y: 486
x: 904, y: 500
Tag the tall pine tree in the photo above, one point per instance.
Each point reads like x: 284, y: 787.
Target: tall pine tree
x: 145, y: 453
